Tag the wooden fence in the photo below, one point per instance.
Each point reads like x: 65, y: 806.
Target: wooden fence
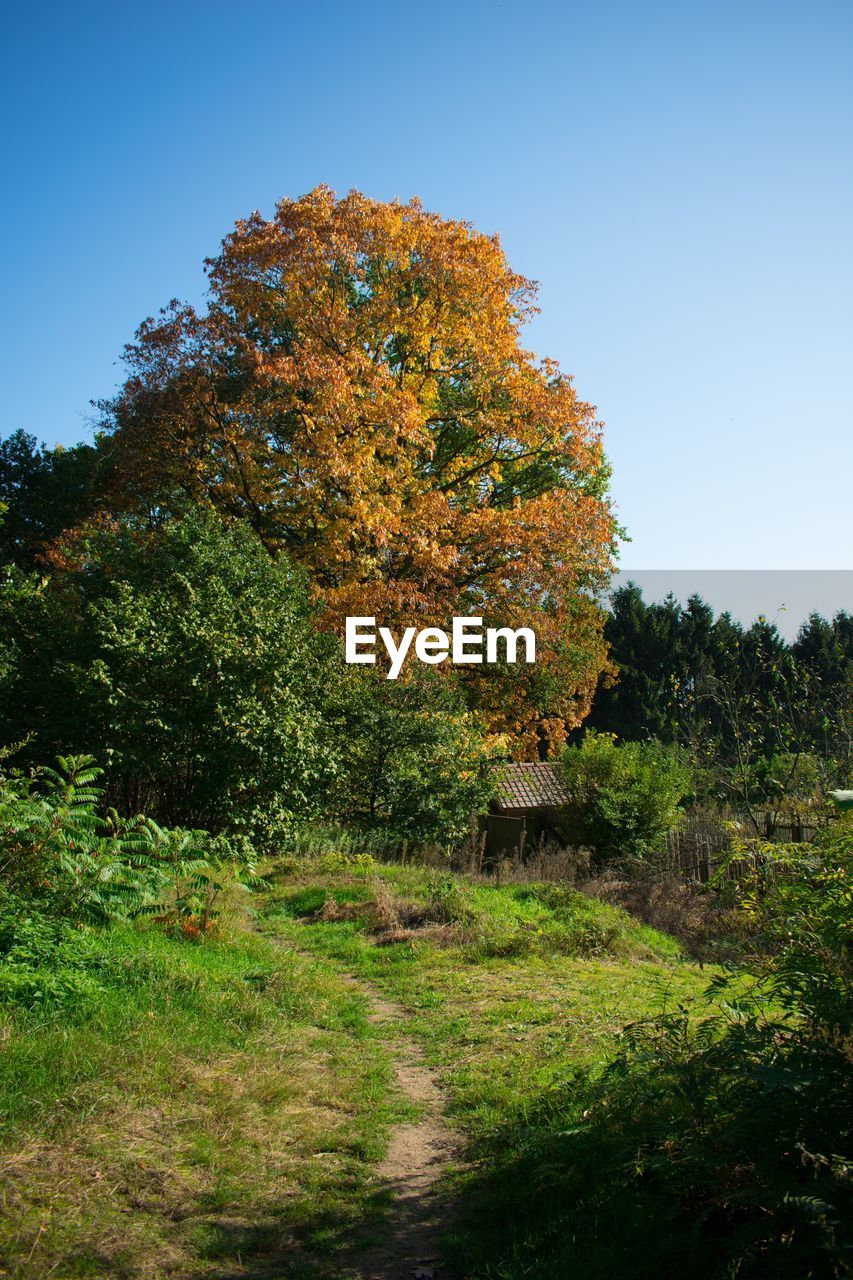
x: 699, y: 848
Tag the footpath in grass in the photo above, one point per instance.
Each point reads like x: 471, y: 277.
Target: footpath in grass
x: 518, y: 996
x: 358, y: 1087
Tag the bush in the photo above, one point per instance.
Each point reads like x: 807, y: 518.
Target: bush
x: 67, y: 861
x: 412, y: 762
x: 625, y: 797
x: 57, y: 851
x: 188, y: 659
x: 44, y: 960
x: 798, y: 902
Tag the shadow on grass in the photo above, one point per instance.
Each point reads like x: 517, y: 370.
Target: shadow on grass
x: 630, y: 1191
x: 695, y: 1155
x: 327, y: 1245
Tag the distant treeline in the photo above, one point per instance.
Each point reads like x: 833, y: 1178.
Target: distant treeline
x: 740, y: 698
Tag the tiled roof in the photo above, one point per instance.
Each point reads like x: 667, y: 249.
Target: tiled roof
x: 529, y: 786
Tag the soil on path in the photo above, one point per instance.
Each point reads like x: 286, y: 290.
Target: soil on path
x: 419, y: 1153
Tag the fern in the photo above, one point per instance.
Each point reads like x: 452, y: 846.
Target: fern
x: 58, y: 845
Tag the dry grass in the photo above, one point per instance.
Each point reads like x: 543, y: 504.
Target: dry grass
x: 142, y: 1191
x: 389, y: 918
x: 704, y: 926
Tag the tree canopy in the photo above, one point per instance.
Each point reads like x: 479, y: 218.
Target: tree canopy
x: 43, y: 492
x: 187, y: 659
x: 357, y: 390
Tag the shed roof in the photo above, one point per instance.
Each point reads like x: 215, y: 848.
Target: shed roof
x: 529, y: 786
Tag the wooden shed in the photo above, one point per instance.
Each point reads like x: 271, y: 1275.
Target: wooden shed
x: 525, y: 809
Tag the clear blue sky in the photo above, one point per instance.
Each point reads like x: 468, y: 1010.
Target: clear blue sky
x: 679, y: 178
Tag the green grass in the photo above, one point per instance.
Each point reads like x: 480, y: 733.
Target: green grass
x: 207, y: 1102
x: 519, y: 1008
x: 191, y: 1108
x: 628, y: 1112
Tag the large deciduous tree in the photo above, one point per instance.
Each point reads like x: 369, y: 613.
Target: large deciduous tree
x: 358, y: 391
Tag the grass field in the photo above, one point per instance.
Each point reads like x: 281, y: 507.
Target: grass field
x: 218, y: 1108
x: 209, y: 1103
x: 519, y: 996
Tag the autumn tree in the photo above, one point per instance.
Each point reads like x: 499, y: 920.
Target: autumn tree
x: 358, y: 391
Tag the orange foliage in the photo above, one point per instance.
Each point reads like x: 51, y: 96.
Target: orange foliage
x: 358, y: 391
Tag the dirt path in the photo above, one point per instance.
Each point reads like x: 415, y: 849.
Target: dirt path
x: 418, y: 1154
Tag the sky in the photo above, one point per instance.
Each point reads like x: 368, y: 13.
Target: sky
x: 677, y: 176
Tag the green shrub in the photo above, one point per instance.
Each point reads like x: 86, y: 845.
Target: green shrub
x: 57, y: 850
x: 447, y: 898
x: 62, y: 854
x: 625, y: 797
x: 798, y: 901
x: 412, y: 762
x: 189, y: 660
x: 44, y: 960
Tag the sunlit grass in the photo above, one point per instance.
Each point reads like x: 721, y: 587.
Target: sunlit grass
x: 219, y: 1100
